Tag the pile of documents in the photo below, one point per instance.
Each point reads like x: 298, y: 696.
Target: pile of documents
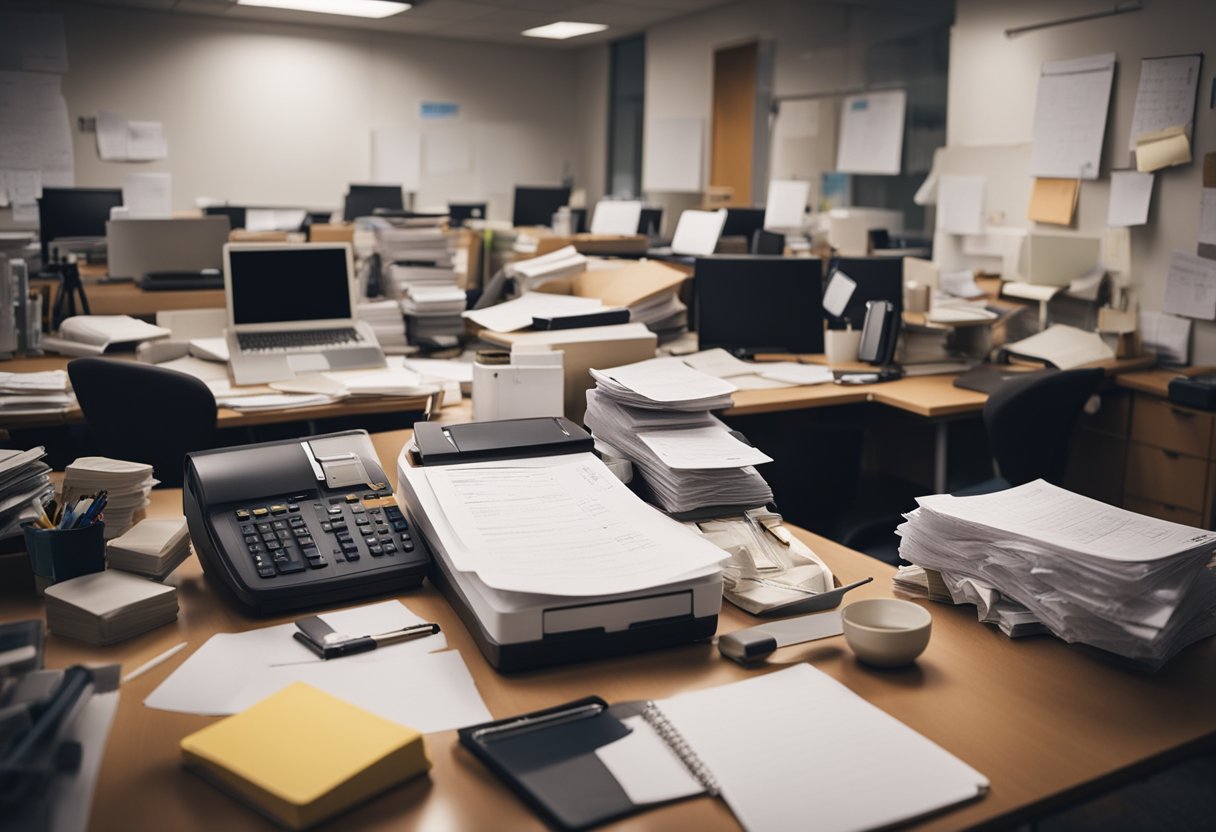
x: 387, y: 321
x: 24, y: 488
x: 94, y: 334
x: 153, y: 547
x: 537, y: 271
x: 1135, y: 586
x: 127, y: 485
x: 413, y: 257
x: 108, y: 607
x: 44, y: 392
x: 433, y: 312
x: 655, y: 413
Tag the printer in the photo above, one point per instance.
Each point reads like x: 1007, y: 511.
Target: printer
x: 519, y: 630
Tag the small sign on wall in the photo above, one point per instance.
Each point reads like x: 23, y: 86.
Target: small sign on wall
x: 435, y: 110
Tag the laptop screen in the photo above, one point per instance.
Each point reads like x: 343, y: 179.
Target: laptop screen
x: 283, y: 285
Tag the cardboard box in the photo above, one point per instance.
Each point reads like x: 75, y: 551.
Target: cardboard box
x: 601, y: 244
x: 336, y: 232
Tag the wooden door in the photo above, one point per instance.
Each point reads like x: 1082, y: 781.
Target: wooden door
x: 734, y: 121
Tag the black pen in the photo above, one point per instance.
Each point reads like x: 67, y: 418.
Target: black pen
x: 361, y: 644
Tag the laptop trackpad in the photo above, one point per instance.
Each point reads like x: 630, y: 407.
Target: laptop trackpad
x: 307, y: 362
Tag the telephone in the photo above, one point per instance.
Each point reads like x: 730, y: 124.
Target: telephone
x: 299, y: 523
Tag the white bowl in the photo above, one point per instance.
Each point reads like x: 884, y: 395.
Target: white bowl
x: 886, y: 632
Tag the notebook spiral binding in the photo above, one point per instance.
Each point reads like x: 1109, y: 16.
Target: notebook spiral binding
x: 676, y: 742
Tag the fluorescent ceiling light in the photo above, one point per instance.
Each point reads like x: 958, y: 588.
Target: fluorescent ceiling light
x: 350, y: 8
x: 564, y: 29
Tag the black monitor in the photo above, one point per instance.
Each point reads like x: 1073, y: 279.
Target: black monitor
x: 578, y: 220
x: 749, y: 305
x: 743, y: 222
x: 537, y: 205
x: 461, y: 212
x: 363, y: 200
x: 650, y: 222
x: 74, y: 212
x: 234, y: 213
x: 877, y: 278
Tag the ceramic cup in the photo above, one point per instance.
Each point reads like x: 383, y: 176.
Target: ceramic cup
x: 841, y: 345
x: 886, y: 632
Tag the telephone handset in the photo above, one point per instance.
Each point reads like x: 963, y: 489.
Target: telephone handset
x: 299, y: 523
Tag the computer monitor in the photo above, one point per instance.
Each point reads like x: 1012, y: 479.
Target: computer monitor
x: 651, y: 222
x: 363, y: 200
x: 743, y: 222
x: 74, y: 212
x: 537, y: 205
x: 750, y: 305
x: 460, y: 213
x: 234, y: 213
x: 877, y: 278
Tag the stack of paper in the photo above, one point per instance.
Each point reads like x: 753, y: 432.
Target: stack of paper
x: 127, y: 485
x: 1135, y: 586
x: 108, y: 607
x: 536, y: 271
x: 648, y: 289
x: 414, y: 257
x: 432, y: 312
x: 517, y: 314
x: 152, y: 548
x: 24, y: 488
x: 93, y: 334
x: 44, y: 392
x: 656, y: 414
x: 387, y: 322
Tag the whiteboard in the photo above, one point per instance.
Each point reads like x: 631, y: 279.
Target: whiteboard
x: 1070, y: 117
x: 871, y: 133
x: 395, y: 156
x: 673, y: 160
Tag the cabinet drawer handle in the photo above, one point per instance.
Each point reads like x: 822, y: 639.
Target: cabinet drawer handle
x: 1171, y: 454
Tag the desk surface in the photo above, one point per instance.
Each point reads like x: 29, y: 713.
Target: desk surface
x: 1045, y: 722
x: 128, y: 299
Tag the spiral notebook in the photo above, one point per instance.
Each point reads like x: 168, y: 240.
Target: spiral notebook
x: 793, y: 746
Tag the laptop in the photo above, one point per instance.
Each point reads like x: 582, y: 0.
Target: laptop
x: 139, y: 247
x: 291, y: 311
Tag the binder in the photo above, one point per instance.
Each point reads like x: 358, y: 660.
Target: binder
x: 830, y: 760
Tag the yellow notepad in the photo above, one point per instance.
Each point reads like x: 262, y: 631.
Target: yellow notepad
x: 302, y: 755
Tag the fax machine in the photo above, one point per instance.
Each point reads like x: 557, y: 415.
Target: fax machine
x: 521, y: 631
x: 299, y: 523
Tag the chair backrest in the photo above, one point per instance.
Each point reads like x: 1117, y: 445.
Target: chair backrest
x: 1029, y: 422
x: 144, y: 413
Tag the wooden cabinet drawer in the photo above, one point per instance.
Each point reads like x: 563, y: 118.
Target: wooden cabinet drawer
x: 1114, y: 416
x: 1157, y: 422
x: 1166, y: 477
x: 1162, y: 511
x: 1096, y: 465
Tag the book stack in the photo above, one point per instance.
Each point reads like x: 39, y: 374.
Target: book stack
x: 127, y: 485
x: 24, y: 488
x: 655, y: 413
x: 152, y: 548
x: 433, y: 313
x: 387, y: 322
x: 27, y: 393
x: 414, y: 257
x: 1134, y: 586
x: 108, y: 607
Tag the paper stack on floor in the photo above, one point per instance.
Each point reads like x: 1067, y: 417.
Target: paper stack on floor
x: 1129, y: 584
x: 152, y: 548
x: 108, y: 607
x: 126, y: 483
x: 24, y: 488
x: 26, y: 393
x: 387, y: 321
x: 655, y: 413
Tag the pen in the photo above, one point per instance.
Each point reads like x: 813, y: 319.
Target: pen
x: 362, y: 644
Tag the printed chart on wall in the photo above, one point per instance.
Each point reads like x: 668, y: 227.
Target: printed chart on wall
x: 1070, y: 117
x: 872, y: 133
x: 1164, y: 116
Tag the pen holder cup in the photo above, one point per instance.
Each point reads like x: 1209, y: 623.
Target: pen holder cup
x: 59, y: 554
x: 841, y: 345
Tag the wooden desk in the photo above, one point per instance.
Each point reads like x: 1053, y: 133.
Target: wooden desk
x: 1047, y: 723
x: 129, y: 299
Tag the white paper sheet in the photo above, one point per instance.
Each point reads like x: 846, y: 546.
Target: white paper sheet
x: 871, y: 133
x: 839, y: 293
x: 1190, y: 286
x: 1064, y: 346
x: 646, y: 767
x: 960, y: 284
x: 719, y: 364
x: 1130, y: 195
x: 518, y: 313
x: 37, y: 130
x: 1207, y: 217
x: 785, y: 207
x: 616, y: 216
x: 71, y: 795
x: 396, y: 157
x: 789, y: 372
x: 1117, y: 250
x: 111, y: 136
x: 274, y: 219
x: 666, y: 380
x: 1167, y: 335
x: 1070, y: 117
x: 146, y: 141
x: 694, y: 449
x: 148, y: 195
x: 697, y: 232
x: 673, y: 157
x: 445, y: 370
x: 1165, y: 94
x: 960, y: 204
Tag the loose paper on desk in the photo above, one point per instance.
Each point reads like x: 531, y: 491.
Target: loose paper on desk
x: 666, y: 380
x: 790, y: 372
x: 960, y: 204
x: 1054, y: 200
x: 692, y: 449
x: 147, y: 195
x: 1167, y: 335
x: 617, y: 216
x: 871, y: 132
x: 1070, y: 117
x: 1131, y: 192
x: 961, y: 284
x: 1162, y: 149
x: 1190, y: 286
x: 1165, y: 95
x: 518, y: 314
x: 785, y: 207
x: 719, y: 363
x: 1065, y: 347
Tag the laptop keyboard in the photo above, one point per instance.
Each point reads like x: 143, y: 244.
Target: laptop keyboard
x: 296, y: 341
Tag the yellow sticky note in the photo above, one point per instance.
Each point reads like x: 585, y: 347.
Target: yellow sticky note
x: 302, y: 755
x: 1054, y: 200
x: 1162, y: 149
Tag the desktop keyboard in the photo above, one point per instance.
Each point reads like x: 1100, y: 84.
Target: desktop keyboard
x: 297, y: 340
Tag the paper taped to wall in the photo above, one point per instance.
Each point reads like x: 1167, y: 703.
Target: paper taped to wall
x: 1070, y: 117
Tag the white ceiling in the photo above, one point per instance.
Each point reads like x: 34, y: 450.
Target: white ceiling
x: 484, y: 20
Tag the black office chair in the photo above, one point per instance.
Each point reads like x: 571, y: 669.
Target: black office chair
x: 767, y: 242
x: 1029, y: 422
x: 144, y: 413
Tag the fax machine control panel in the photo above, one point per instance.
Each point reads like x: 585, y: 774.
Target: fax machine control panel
x: 299, y: 523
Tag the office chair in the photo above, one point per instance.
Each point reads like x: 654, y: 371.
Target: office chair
x: 143, y: 413
x: 1029, y: 423
x: 767, y: 242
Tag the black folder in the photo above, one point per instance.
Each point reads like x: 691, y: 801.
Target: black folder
x: 504, y: 439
